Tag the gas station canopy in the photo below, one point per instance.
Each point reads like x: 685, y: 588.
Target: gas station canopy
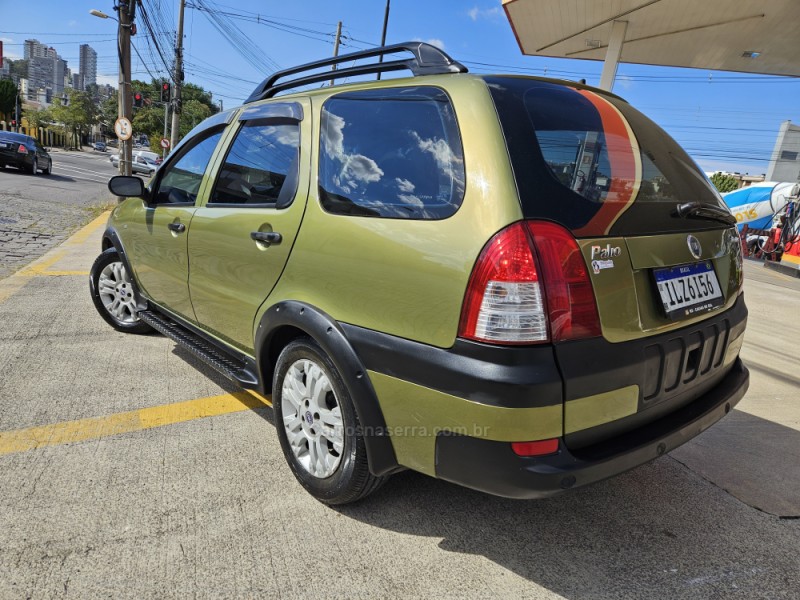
x: 752, y: 36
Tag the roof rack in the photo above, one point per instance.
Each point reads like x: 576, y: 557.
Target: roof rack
x: 427, y: 60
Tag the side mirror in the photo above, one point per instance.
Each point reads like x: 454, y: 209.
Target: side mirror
x: 128, y: 187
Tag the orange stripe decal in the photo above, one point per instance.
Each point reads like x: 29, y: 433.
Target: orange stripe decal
x: 625, y: 165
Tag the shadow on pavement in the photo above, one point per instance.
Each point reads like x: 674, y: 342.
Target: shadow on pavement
x: 657, y: 532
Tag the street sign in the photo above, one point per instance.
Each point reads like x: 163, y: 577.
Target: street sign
x: 165, y: 143
x: 123, y: 128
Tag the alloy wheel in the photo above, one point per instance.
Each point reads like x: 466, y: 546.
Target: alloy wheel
x: 312, y: 418
x: 116, y: 293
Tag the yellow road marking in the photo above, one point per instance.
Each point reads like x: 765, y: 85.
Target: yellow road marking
x: 41, y: 267
x: 31, y: 438
x: 83, y: 234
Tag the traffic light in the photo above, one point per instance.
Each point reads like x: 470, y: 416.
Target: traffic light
x: 13, y: 122
x: 165, y: 92
x: 137, y: 100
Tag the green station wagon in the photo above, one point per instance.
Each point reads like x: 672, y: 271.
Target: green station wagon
x: 516, y: 284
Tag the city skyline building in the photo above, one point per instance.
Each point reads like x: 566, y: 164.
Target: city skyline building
x: 46, y: 72
x: 87, y: 66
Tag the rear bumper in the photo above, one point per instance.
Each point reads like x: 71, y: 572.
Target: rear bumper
x: 492, y: 467
x: 15, y: 159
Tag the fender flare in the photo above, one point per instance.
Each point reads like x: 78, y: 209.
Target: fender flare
x: 331, y: 338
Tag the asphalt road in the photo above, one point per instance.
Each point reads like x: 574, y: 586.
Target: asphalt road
x: 39, y: 212
x: 130, y: 470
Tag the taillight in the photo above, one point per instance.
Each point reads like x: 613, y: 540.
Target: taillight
x: 504, y: 302
x: 530, y: 285
x: 22, y: 149
x: 572, y: 309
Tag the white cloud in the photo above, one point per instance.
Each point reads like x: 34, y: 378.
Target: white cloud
x: 288, y: 136
x: 356, y: 168
x: 442, y: 154
x: 112, y: 80
x: 404, y: 185
x: 476, y: 13
x: 624, y: 81
x: 410, y: 199
x: 7, y: 53
x: 432, y: 41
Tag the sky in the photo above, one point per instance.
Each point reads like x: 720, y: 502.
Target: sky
x: 724, y: 120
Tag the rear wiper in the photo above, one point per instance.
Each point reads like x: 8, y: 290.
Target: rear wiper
x: 705, y: 211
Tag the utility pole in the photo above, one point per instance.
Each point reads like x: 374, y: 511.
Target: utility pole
x: 16, y: 109
x: 166, y: 118
x: 383, y: 35
x: 336, y: 45
x: 124, y: 95
x: 178, y: 79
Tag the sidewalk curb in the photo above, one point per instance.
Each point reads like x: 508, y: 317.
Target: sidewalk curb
x: 40, y: 266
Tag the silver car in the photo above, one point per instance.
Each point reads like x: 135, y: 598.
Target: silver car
x: 141, y: 164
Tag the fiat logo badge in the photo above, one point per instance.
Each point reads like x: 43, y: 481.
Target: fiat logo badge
x: 694, y: 246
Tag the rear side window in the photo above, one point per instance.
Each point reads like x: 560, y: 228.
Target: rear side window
x: 393, y: 153
x: 261, y: 166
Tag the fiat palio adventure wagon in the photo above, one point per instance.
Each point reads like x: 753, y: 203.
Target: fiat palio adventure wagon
x: 516, y: 284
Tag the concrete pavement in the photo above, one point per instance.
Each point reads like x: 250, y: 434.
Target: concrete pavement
x: 130, y: 470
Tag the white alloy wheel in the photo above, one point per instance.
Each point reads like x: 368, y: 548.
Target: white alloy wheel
x: 116, y: 293
x: 312, y: 418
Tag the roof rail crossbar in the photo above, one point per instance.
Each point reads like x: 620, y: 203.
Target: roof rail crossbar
x: 427, y: 60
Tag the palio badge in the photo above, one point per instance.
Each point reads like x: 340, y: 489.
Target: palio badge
x: 602, y: 257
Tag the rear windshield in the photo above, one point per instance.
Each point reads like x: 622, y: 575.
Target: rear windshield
x: 595, y: 164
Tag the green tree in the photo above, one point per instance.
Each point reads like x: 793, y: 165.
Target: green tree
x: 190, y: 92
x: 18, y: 68
x: 192, y: 114
x: 37, y: 118
x: 8, y: 96
x: 149, y: 120
x: 79, y: 113
x: 724, y: 182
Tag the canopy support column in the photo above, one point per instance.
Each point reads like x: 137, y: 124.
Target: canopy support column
x: 613, y: 53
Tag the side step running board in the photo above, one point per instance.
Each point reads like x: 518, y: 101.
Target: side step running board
x: 235, y: 369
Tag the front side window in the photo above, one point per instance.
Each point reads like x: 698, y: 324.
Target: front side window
x: 181, y: 179
x: 261, y: 166
x: 392, y: 153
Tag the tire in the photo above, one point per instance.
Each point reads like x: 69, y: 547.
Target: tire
x: 34, y: 167
x: 114, y: 294
x: 319, y: 432
x: 49, y: 169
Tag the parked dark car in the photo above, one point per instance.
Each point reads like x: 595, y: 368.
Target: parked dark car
x: 24, y: 152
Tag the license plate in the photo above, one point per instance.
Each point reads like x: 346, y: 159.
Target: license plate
x: 2, y: 145
x: 688, y: 290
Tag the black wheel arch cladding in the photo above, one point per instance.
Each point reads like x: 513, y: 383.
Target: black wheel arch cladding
x: 315, y: 323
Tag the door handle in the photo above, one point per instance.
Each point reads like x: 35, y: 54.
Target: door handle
x: 266, y: 237
x: 177, y: 227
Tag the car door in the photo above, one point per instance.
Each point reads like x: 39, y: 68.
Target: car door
x: 155, y: 236
x: 241, y: 238
x: 42, y: 155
